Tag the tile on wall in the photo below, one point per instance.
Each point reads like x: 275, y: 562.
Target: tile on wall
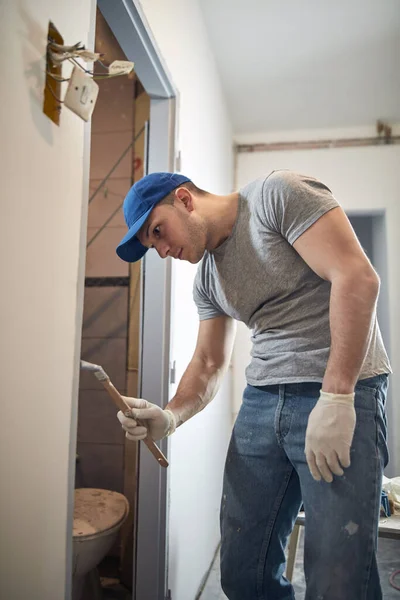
x: 101, y: 257
x: 108, y: 149
x: 106, y: 201
x: 109, y: 353
x: 97, y: 418
x: 100, y: 466
x: 105, y: 312
x: 114, y: 109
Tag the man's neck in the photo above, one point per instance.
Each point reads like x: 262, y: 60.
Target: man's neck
x: 222, y: 215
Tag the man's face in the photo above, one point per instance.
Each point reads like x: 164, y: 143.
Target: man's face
x: 174, y: 231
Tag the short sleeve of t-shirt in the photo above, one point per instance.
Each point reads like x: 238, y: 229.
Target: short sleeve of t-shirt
x: 205, y: 308
x: 292, y: 202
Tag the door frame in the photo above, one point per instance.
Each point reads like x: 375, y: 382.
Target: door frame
x: 379, y: 260
x: 128, y: 23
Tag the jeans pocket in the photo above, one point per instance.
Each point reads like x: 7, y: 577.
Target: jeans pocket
x: 370, y: 410
x: 374, y: 383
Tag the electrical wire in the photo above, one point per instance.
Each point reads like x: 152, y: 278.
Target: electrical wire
x: 92, y: 73
x: 102, y: 64
x: 96, y: 76
x: 53, y: 94
x: 63, y: 79
x: 57, y: 77
x: 72, y: 60
x: 57, y: 58
x: 57, y: 54
x: 62, y: 48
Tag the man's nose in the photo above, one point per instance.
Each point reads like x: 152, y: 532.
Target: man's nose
x: 163, y: 249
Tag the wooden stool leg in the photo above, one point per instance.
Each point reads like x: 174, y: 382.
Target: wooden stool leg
x: 292, y: 550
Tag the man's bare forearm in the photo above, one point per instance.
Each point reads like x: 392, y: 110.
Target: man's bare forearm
x: 352, y: 309
x: 198, y: 386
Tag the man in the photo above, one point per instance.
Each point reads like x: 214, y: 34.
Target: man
x: 281, y: 256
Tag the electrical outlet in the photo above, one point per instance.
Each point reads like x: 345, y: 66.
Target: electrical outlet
x: 81, y: 94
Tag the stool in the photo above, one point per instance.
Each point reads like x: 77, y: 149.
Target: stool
x: 389, y: 527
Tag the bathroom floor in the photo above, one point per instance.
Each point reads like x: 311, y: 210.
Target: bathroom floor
x: 109, y: 577
x: 112, y: 589
x: 388, y: 562
x: 115, y: 591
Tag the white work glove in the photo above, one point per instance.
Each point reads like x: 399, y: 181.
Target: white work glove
x: 329, y: 435
x: 147, y: 418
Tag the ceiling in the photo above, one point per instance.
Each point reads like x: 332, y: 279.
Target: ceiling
x: 306, y: 64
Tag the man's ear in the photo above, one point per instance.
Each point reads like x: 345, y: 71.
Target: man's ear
x: 185, y: 197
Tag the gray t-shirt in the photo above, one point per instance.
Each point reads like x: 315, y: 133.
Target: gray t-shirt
x: 257, y: 277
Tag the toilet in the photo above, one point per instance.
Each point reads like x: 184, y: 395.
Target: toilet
x: 98, y: 517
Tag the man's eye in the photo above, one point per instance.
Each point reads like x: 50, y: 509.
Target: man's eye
x: 156, y: 231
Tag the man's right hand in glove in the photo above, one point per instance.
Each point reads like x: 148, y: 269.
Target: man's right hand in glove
x: 147, y: 419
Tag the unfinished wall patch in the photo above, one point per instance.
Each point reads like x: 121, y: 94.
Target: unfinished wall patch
x: 52, y: 88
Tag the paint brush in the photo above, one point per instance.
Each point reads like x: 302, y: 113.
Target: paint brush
x: 104, y: 379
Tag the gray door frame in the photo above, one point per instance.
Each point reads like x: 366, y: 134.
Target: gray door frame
x: 129, y: 26
x: 378, y: 250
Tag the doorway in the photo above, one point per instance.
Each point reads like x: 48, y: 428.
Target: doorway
x: 111, y: 314
x: 140, y: 368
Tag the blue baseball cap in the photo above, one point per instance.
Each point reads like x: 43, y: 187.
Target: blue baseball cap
x: 138, y: 204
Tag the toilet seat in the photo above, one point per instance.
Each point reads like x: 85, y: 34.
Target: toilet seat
x: 97, y: 511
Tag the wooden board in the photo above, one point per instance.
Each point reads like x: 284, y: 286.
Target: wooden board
x: 52, y: 89
x: 389, y: 527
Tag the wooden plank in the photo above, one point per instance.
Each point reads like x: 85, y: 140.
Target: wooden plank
x: 132, y: 449
x: 129, y: 528
x: 389, y: 527
x: 52, y: 103
x: 134, y: 320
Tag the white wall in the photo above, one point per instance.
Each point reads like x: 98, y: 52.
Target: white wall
x: 43, y: 212
x: 205, y: 139
x: 362, y: 179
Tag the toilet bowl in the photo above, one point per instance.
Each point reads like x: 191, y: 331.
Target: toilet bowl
x: 98, y: 517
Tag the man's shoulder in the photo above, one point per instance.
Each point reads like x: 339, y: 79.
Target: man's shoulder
x: 285, y: 177
x: 273, y: 178
x: 281, y: 181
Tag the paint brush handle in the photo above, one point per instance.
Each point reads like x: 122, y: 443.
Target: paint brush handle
x: 123, y: 406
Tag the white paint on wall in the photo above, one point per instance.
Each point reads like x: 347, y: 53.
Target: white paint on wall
x: 364, y: 180
x: 205, y: 140
x: 42, y: 224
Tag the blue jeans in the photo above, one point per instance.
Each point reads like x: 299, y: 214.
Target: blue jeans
x: 267, y: 480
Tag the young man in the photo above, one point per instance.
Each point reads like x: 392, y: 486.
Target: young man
x: 281, y: 256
